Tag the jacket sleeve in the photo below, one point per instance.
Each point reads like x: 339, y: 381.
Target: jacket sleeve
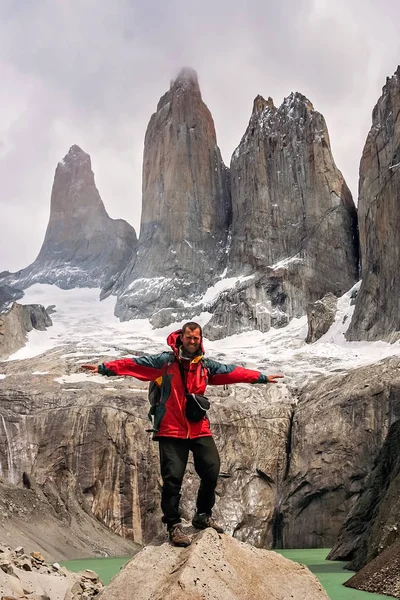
x: 145, y: 368
x: 220, y: 374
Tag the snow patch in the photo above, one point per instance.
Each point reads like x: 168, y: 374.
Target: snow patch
x: 222, y: 286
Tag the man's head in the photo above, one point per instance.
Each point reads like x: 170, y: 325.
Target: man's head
x: 191, y: 337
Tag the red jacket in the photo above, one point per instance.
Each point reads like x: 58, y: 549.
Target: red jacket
x: 169, y: 417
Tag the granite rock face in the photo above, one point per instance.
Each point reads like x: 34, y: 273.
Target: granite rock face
x: 377, y: 315
x: 372, y: 525
x: 293, y: 463
x: 214, y: 566
x: 339, y: 426
x: 94, y: 432
x: 294, y: 223
x: 83, y: 246
x: 186, y: 209
x: 17, y: 322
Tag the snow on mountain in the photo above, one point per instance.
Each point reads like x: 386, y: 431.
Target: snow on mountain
x: 92, y: 330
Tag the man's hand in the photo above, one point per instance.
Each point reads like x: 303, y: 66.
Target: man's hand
x: 273, y: 378
x: 92, y: 368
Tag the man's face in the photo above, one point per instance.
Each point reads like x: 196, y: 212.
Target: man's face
x: 191, y: 340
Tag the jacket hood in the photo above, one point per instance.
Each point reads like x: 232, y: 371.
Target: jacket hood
x: 174, y: 342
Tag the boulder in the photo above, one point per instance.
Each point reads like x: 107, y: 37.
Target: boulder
x: 214, y: 566
x: 320, y: 316
x: 33, y: 579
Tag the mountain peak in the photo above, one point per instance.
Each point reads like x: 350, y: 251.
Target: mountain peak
x: 186, y: 76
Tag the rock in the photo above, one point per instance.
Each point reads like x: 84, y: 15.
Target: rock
x: 38, y: 556
x: 89, y: 574
x: 294, y: 223
x: 339, y: 426
x: 381, y: 575
x: 320, y: 316
x: 212, y: 567
x: 376, y: 315
x: 83, y: 246
x: 186, y: 209
x: 17, y: 322
x: 373, y: 524
x: 41, y: 582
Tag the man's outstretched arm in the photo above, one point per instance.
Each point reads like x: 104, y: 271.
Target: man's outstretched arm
x: 145, y: 368
x: 221, y: 374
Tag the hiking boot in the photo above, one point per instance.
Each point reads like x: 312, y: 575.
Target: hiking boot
x: 202, y: 521
x: 178, y: 537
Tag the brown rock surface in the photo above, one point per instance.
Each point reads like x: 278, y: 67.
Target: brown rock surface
x: 186, y: 207
x: 212, y: 567
x: 377, y: 315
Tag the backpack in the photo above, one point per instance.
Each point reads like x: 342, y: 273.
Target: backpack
x: 154, y: 396
x: 154, y: 392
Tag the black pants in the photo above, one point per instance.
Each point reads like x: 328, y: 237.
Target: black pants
x: 174, y: 454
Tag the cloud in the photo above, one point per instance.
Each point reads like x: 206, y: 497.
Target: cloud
x: 91, y: 73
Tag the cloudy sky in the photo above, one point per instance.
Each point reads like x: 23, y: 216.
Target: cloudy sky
x: 90, y: 72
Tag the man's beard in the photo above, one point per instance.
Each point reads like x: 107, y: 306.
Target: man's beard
x: 188, y: 354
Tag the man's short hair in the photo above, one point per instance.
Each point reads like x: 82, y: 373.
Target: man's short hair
x: 191, y: 325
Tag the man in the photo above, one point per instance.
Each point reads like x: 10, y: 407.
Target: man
x: 182, y: 373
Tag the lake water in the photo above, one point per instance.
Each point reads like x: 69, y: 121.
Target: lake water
x: 331, y: 574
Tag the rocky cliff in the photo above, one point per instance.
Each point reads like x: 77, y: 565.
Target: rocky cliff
x: 372, y: 525
x: 370, y: 534
x: 83, y: 246
x: 293, y: 463
x: 17, y: 322
x: 186, y: 209
x: 377, y: 314
x: 294, y: 223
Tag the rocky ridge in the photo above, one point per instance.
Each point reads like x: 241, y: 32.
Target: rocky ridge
x: 294, y: 223
x: 83, y: 246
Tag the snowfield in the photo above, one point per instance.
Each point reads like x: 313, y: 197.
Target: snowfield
x: 94, y: 331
